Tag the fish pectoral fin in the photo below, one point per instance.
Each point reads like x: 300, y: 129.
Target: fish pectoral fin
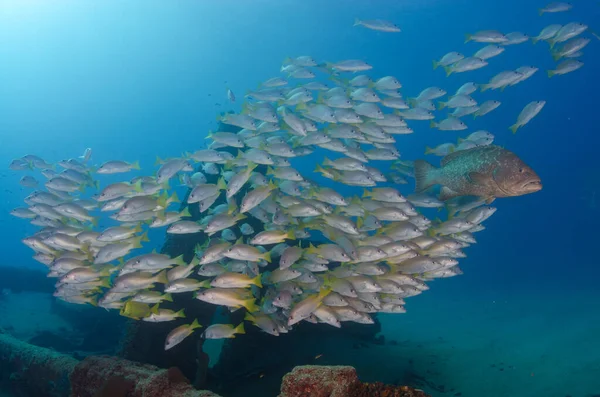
x: 477, y: 178
x: 446, y: 193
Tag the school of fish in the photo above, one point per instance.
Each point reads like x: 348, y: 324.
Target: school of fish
x: 321, y: 256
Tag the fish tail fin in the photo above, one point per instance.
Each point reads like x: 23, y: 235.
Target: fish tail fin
x: 436, y: 64
x: 93, y: 301
x: 556, y: 55
x: 441, y: 105
x: 423, y: 175
x: 468, y: 38
x: 168, y: 297
x: 240, y: 329
x: 179, y: 260
x: 221, y: 185
x: 267, y: 256
x: 185, y: 212
x: 428, y: 150
x: 552, y: 43
x: 195, y: 324
x: 360, y: 222
x: 448, y: 70
x: 432, y: 124
x: 484, y: 87
x: 180, y: 314
x: 135, y: 165
x: 540, y: 11
x: 514, y: 128
x: 256, y: 281
x: 173, y: 198
x: 551, y: 73
x: 249, y: 317
x: 356, y: 22
x: 162, y: 277
x: 250, y: 305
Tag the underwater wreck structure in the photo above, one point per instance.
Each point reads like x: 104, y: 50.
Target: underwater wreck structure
x: 35, y: 371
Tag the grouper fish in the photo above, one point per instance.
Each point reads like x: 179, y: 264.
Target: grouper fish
x: 483, y: 171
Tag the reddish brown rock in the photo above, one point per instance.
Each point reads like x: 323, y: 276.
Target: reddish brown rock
x: 337, y: 381
x: 319, y: 381
x: 104, y: 376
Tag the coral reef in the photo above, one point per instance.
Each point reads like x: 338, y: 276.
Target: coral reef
x: 337, y: 381
x: 107, y: 376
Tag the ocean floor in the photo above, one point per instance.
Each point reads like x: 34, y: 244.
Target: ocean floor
x: 456, y: 341
x: 529, y: 344
x: 450, y: 343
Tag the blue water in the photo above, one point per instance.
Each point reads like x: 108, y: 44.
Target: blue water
x: 139, y: 79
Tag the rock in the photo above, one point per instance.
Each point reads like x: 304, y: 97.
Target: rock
x: 337, y: 381
x: 104, y: 376
x: 34, y: 371
x: 319, y: 381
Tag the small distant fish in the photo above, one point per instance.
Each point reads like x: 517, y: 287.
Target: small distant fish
x: 177, y: 335
x: 377, y: 24
x: 565, y: 67
x: 486, y: 171
x: 467, y: 88
x: 465, y: 65
x: 529, y: 112
x: 515, y: 38
x: 486, y: 107
x: 486, y: 36
x: 449, y: 124
x: 570, y: 47
x: 220, y: 331
x: 556, y: 6
x: 230, y: 95
x: 351, y: 65
x: 547, y: 33
x: 489, y: 51
x: 28, y: 181
x: 441, y: 150
x: 501, y: 80
x: 448, y: 59
x: 567, y: 32
x: 87, y: 155
x: 115, y: 167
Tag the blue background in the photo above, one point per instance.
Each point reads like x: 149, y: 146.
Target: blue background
x: 137, y: 79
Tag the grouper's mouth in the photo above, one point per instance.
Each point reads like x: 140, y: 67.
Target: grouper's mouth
x: 532, y: 186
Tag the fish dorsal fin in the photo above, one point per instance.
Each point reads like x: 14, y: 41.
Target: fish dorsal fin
x: 451, y: 156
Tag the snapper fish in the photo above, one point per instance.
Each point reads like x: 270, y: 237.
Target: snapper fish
x: 556, y: 6
x: 377, y: 24
x: 485, y: 171
x: 177, y: 336
x: 529, y: 112
x: 487, y: 36
x: 448, y: 59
